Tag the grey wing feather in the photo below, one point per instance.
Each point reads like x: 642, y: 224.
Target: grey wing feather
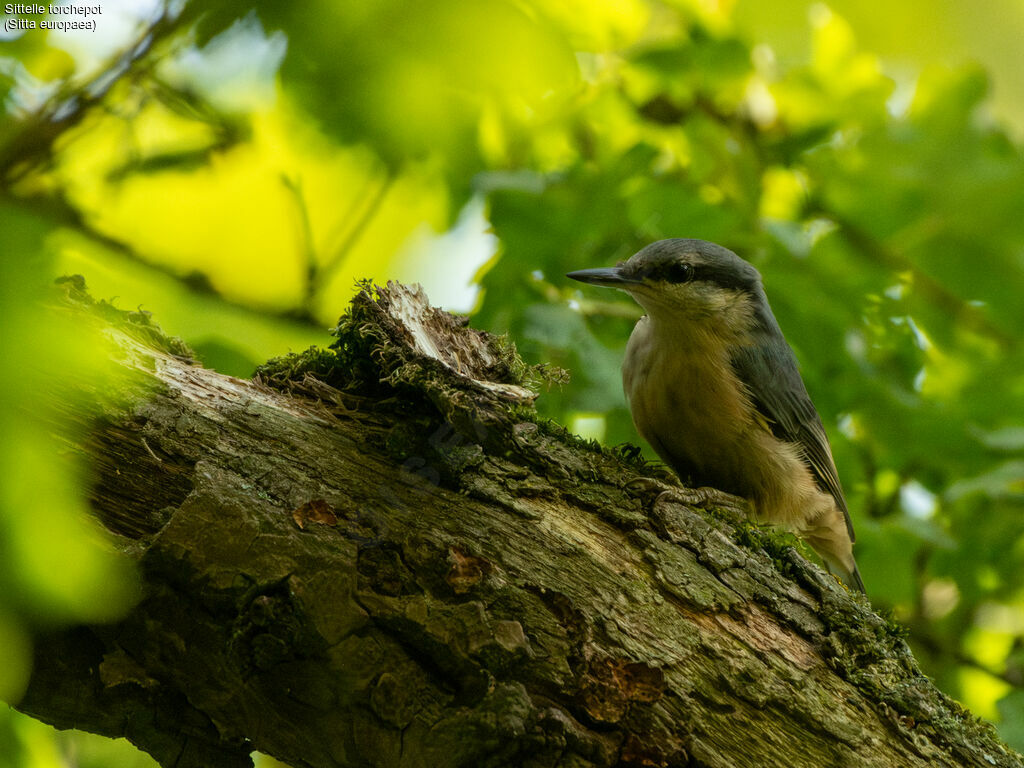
x: 770, y: 374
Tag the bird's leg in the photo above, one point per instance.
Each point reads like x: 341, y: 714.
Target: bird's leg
x: 703, y: 497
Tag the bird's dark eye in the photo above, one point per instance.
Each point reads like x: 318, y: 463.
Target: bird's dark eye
x: 679, y: 272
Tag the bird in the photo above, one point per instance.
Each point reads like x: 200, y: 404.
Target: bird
x: 715, y: 389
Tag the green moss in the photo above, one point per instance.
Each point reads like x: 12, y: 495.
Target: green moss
x: 363, y: 353
x: 778, y: 544
x: 510, y: 366
x: 630, y: 454
x: 893, y: 627
x: 624, y: 453
x: 293, y: 367
x: 550, y: 428
x: 359, y: 361
x: 370, y: 356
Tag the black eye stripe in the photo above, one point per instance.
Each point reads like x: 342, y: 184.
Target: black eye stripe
x: 679, y: 272
x: 670, y: 272
x: 723, y: 277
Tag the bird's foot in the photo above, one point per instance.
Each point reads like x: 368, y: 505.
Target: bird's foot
x: 704, y: 497
x: 707, y: 498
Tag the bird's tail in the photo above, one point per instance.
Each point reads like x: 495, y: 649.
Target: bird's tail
x: 850, y: 576
x: 831, y: 540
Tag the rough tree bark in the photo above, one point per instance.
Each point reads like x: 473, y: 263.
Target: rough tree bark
x: 377, y: 554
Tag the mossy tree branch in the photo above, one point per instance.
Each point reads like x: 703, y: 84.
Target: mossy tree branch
x: 377, y: 554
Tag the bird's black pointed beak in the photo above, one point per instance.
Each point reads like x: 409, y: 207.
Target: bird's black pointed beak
x: 611, y: 277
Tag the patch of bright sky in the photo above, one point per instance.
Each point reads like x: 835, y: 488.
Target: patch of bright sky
x: 917, y: 501
x: 28, y: 93
x: 445, y: 264
x: 116, y: 26
x: 237, y: 69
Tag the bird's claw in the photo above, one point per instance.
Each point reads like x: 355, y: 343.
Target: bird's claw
x: 703, y: 497
x: 646, y: 485
x: 706, y: 498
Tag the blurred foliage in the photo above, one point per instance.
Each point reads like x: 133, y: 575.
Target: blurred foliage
x: 27, y: 743
x: 56, y: 566
x: 235, y: 166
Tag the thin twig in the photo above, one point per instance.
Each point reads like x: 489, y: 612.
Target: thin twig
x: 69, y: 106
x: 358, y: 228
x: 308, y: 250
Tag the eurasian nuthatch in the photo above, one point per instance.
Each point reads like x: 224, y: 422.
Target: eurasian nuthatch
x: 714, y: 388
